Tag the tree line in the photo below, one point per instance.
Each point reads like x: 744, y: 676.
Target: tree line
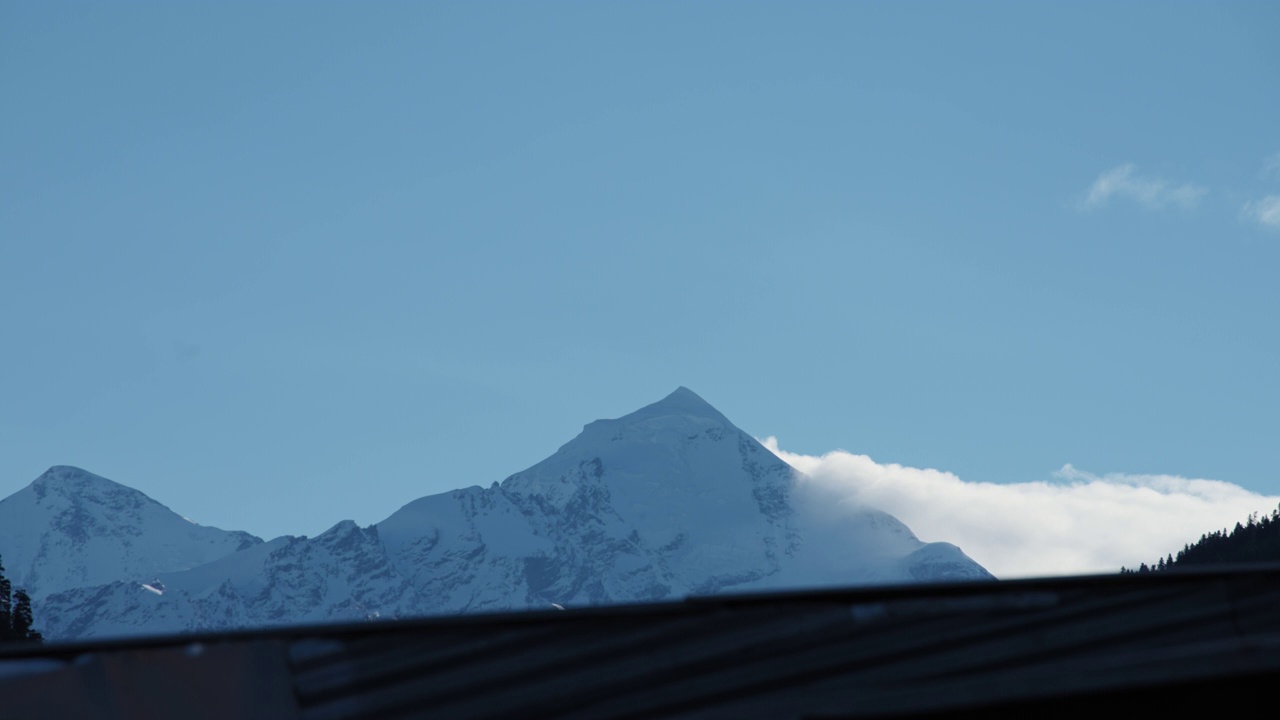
x: 15, y: 613
x: 1256, y: 540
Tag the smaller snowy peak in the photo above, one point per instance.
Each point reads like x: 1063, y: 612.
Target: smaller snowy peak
x: 65, y: 481
x: 72, y: 528
x: 59, y: 474
x: 342, y: 527
x: 942, y: 561
x: 66, y: 485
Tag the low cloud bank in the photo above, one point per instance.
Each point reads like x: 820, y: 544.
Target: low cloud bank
x: 1078, y: 523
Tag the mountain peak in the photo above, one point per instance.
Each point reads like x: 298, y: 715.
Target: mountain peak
x: 682, y: 401
x: 71, y: 528
x: 66, y: 472
x: 684, y: 395
x: 679, y: 411
x: 68, y: 478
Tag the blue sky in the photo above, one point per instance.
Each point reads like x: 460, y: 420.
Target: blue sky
x: 282, y: 264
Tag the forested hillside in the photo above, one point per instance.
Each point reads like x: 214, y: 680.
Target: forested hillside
x: 1256, y: 540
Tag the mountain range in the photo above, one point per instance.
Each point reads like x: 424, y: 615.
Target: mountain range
x: 669, y: 501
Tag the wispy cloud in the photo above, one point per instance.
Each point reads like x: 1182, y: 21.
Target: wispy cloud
x: 1265, y: 212
x: 1147, y: 190
x: 1077, y: 523
x: 1271, y: 168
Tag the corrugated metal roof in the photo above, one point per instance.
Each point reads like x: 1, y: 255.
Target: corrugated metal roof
x: 857, y: 653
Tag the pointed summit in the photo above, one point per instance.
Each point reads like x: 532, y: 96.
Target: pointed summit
x: 60, y: 471
x: 70, y: 480
x: 63, y: 473
x: 687, y: 399
x: 682, y: 402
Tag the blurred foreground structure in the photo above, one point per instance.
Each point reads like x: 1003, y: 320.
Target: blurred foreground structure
x: 1060, y: 646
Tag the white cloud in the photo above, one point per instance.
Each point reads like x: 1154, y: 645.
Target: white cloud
x: 1150, y: 192
x: 1265, y: 212
x: 1077, y: 523
x: 1271, y: 166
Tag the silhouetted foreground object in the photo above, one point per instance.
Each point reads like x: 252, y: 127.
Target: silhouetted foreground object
x: 1256, y: 541
x: 1065, y: 647
x: 15, y: 613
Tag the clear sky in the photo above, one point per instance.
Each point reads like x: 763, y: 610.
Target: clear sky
x: 279, y: 264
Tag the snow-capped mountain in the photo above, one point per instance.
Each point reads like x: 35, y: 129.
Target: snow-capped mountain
x: 71, y: 528
x: 669, y: 501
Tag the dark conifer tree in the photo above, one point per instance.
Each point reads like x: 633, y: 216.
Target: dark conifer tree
x: 15, y: 613
x: 22, y: 617
x: 6, y: 613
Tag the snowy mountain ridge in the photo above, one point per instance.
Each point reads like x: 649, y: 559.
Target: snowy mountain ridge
x: 70, y: 528
x: 669, y: 501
